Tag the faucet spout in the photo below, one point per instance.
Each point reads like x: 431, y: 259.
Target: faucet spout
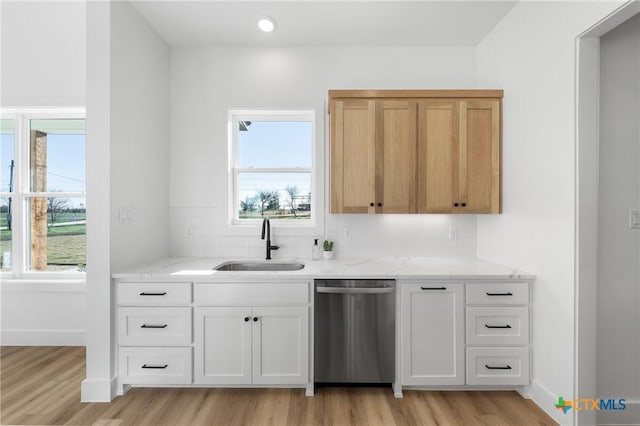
x: 266, y: 231
x: 266, y: 224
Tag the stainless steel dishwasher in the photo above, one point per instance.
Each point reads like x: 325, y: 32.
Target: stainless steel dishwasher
x: 354, y: 329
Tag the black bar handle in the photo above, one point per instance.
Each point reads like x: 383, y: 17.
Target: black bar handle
x: 433, y: 288
x: 153, y: 326
x: 497, y: 326
x: 508, y: 367
x: 500, y: 294
x: 162, y: 367
x: 164, y: 293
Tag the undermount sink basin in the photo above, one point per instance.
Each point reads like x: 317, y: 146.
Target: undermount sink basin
x: 254, y: 265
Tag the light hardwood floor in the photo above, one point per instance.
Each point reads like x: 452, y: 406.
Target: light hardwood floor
x: 41, y: 385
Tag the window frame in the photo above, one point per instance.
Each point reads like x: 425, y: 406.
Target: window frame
x: 22, y: 189
x: 237, y: 115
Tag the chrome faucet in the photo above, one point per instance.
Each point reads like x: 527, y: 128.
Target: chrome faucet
x: 266, y: 225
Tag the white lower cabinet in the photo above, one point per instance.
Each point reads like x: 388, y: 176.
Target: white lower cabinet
x: 432, y: 333
x: 498, y: 366
x: 251, y: 345
x: 473, y: 333
x: 497, y: 334
x: 155, y: 366
x: 214, y: 333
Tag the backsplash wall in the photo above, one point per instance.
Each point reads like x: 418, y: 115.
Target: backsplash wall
x: 206, y: 82
x: 195, y: 233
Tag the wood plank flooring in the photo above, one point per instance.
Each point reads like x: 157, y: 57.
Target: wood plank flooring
x: 41, y: 386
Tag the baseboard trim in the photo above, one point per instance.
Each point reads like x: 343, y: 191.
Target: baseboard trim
x: 546, y: 400
x: 43, y: 337
x: 98, y: 390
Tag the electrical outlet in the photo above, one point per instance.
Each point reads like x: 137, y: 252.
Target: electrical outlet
x: 453, y: 234
x: 346, y: 233
x: 634, y: 219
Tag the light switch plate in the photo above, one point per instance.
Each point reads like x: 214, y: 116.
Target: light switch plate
x: 126, y: 214
x: 634, y: 219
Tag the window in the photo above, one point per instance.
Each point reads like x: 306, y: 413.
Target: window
x: 271, y: 166
x: 42, y: 191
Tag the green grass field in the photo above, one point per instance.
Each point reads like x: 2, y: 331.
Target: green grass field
x: 66, y: 245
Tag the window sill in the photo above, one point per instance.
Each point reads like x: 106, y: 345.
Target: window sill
x: 37, y: 283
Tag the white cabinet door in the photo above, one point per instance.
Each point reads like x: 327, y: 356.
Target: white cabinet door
x: 280, y: 345
x: 432, y: 334
x: 222, y: 345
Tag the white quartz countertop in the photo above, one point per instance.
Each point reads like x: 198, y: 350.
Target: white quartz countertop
x: 201, y: 269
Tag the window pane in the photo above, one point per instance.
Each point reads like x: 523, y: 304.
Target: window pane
x: 279, y: 144
x: 57, y: 155
x: 6, y: 255
x: 57, y: 234
x: 278, y: 195
x: 7, y: 136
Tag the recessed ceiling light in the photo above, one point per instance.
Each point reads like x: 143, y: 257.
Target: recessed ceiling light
x: 267, y: 24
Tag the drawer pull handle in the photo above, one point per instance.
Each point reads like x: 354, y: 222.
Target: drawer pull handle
x: 500, y: 294
x: 153, y: 326
x: 497, y: 326
x: 508, y: 367
x: 162, y: 367
x: 433, y: 288
x: 144, y: 293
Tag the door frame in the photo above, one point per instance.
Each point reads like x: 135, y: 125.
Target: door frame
x: 587, y: 120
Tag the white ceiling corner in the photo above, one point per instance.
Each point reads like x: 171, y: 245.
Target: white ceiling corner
x: 324, y: 23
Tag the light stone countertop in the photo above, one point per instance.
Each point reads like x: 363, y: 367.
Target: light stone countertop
x: 201, y: 270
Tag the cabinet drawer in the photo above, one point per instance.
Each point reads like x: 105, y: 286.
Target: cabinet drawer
x: 154, y: 326
x: 498, y: 366
x: 155, y: 365
x: 497, y: 293
x: 154, y: 293
x: 498, y: 325
x: 255, y: 294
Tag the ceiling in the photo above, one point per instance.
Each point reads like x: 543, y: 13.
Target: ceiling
x: 324, y: 23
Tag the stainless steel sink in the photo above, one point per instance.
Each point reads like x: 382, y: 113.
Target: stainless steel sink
x: 256, y: 265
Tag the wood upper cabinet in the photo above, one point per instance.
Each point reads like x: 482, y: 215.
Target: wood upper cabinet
x: 415, y: 151
x: 438, y: 145
x: 353, y: 144
x: 395, y: 157
x: 480, y: 156
x: 459, y: 156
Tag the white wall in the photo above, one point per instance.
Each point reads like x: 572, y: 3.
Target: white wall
x: 43, y: 54
x: 206, y: 82
x: 531, y: 54
x: 128, y: 159
x: 618, y: 332
x: 42, y: 64
x: 139, y: 140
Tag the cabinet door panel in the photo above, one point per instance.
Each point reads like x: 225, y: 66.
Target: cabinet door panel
x: 480, y: 156
x: 437, y: 156
x: 222, y: 345
x: 396, y: 156
x: 432, y: 334
x: 352, y: 156
x: 281, y: 345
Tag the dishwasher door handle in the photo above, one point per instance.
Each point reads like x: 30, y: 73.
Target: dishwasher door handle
x: 355, y: 290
